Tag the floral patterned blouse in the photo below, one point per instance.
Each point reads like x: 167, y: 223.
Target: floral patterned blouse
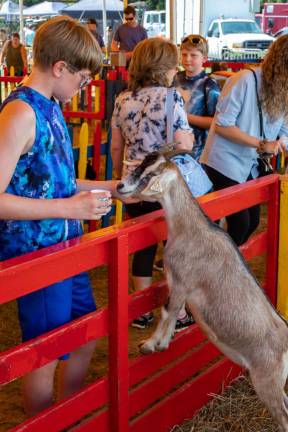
x: 142, y: 119
x: 45, y: 172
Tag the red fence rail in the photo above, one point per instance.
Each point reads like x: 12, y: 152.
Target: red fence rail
x: 160, y: 389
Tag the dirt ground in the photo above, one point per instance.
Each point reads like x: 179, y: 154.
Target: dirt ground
x: 11, y: 411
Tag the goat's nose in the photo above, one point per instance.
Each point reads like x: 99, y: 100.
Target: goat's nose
x: 120, y: 186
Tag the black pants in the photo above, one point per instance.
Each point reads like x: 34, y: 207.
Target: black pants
x: 142, y: 265
x: 242, y: 224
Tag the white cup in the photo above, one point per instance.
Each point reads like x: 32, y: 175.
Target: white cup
x: 100, y: 191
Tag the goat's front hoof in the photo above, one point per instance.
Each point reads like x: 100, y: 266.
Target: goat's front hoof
x: 147, y: 347
x: 161, y: 347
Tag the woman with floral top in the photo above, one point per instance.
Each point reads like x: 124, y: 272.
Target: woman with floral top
x: 139, y: 127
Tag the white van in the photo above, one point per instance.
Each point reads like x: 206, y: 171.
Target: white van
x: 155, y: 23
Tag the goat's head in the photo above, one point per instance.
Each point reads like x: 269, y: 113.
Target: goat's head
x: 151, y: 179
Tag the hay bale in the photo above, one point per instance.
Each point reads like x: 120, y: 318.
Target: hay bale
x: 238, y: 409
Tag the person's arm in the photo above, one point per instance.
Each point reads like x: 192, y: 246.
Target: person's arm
x: 183, y: 135
x: 233, y: 133
x: 17, y: 125
x: 24, y: 57
x: 199, y: 121
x: 3, y: 52
x: 184, y: 140
x: 114, y: 45
x: 231, y: 102
x: 117, y: 150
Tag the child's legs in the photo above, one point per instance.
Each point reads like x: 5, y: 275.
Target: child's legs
x: 42, y: 311
x: 73, y: 371
x: 38, y: 388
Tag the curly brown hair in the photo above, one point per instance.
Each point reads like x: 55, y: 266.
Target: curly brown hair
x: 274, y: 88
x: 151, y: 60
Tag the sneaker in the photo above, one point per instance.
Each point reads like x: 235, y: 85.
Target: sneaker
x: 184, y: 323
x: 159, y: 265
x: 143, y: 321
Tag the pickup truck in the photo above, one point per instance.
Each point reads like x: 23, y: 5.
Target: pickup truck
x: 232, y: 39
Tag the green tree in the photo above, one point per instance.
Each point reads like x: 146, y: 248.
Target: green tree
x: 272, y: 1
x: 155, y: 4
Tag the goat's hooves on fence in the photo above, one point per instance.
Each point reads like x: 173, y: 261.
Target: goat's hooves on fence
x: 160, y: 348
x: 146, y: 347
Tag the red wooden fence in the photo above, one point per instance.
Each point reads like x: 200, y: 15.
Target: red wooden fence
x: 150, y: 392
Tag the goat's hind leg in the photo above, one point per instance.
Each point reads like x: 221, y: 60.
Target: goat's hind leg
x: 165, y: 329
x: 269, y: 386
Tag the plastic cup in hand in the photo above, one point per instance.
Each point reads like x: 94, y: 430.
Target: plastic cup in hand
x: 100, y: 191
x: 104, y: 199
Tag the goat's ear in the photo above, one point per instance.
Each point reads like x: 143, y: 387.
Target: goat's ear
x: 158, y: 183
x: 153, y: 187
x: 156, y: 186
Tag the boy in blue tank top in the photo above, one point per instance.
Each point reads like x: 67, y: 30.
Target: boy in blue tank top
x: 41, y: 203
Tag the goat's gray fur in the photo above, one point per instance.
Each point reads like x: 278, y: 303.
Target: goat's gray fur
x: 205, y: 269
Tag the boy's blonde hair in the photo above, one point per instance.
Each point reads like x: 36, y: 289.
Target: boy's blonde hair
x: 195, y: 41
x: 151, y: 60
x: 63, y: 38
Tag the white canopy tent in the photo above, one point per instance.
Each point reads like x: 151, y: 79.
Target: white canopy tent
x: 102, y: 10
x: 9, y: 8
x: 95, y: 5
x: 46, y: 8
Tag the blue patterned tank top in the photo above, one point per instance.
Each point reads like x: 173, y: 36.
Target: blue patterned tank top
x: 45, y: 172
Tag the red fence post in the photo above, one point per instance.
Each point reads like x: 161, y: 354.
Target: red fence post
x: 118, y: 336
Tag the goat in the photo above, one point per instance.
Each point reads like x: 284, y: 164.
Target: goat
x: 205, y: 269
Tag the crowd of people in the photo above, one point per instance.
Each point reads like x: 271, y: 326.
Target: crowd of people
x: 42, y: 203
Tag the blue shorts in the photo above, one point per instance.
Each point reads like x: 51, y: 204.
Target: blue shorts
x: 55, y: 305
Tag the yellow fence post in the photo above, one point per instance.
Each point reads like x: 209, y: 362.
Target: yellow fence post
x: 12, y: 74
x: 97, y: 96
x: 83, y: 149
x: 282, y: 301
x: 119, y: 211
x: 74, y: 107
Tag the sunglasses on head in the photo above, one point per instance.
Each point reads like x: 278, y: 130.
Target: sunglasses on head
x: 193, y: 39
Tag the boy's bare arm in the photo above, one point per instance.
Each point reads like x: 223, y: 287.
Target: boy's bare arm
x: 17, y: 125
x: 109, y: 185
x: 199, y: 121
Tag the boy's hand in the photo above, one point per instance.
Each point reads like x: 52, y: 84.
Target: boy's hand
x: 88, y: 205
